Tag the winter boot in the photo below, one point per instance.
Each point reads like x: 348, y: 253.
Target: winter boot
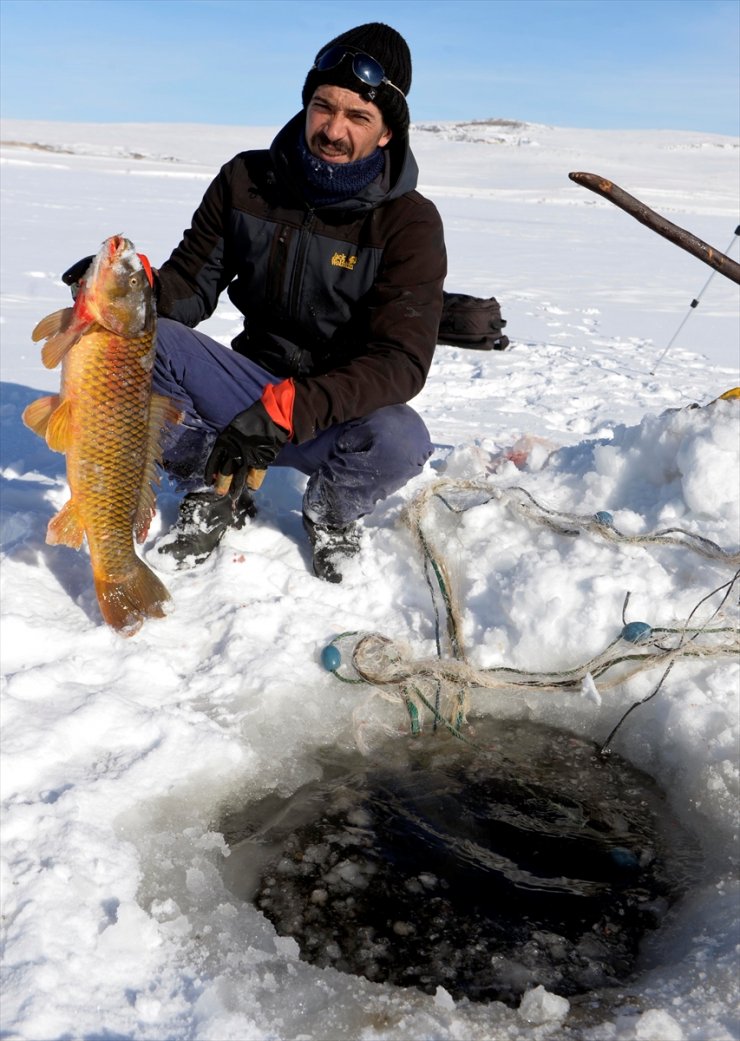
x: 202, y: 521
x: 331, y: 548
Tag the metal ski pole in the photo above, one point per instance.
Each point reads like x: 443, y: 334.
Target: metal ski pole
x: 692, y: 306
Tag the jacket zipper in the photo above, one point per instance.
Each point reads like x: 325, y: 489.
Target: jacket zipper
x: 296, y: 280
x: 276, y: 265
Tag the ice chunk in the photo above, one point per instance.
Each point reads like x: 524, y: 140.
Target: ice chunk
x: 443, y: 999
x: 540, y: 1006
x: 589, y: 690
x: 657, y: 1023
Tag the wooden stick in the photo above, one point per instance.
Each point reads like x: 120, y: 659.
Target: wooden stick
x: 679, y: 236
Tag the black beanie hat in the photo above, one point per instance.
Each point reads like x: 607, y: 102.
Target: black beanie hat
x: 390, y: 49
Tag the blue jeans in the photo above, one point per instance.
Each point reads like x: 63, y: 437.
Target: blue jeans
x: 350, y: 466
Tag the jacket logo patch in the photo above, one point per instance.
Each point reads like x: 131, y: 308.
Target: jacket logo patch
x: 342, y: 260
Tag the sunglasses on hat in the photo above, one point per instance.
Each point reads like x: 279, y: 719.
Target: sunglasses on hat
x: 367, y: 69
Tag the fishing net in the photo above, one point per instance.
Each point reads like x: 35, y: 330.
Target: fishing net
x: 439, y: 689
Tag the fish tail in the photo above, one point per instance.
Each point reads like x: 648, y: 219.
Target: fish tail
x: 126, y: 601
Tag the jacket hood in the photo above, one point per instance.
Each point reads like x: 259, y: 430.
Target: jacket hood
x: 401, y: 172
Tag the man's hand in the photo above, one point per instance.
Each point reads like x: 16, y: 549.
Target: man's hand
x: 75, y: 274
x: 251, y: 441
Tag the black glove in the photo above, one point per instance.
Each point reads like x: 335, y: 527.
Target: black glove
x: 74, y: 275
x: 251, y: 441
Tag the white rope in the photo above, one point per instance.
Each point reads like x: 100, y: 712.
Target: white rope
x: 440, y: 688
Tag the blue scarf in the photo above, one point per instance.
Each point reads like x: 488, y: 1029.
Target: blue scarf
x: 325, y: 183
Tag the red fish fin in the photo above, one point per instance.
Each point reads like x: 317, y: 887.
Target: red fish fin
x: 61, y: 331
x: 126, y: 602
x: 66, y: 528
x: 162, y: 411
x: 58, y: 428
x: 36, y: 416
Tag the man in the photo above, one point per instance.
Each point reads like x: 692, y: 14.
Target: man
x: 337, y: 265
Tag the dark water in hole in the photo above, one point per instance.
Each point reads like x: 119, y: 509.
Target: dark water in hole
x: 487, y: 870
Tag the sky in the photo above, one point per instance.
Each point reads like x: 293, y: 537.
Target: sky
x: 605, y: 64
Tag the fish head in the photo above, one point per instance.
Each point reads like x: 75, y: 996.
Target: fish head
x: 118, y: 292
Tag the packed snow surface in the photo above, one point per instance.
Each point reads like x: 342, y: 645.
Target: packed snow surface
x: 121, y: 756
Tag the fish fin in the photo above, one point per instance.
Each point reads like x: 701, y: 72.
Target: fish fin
x: 164, y: 410
x: 147, y: 507
x: 36, y: 416
x: 65, y: 529
x: 126, y: 602
x: 61, y: 330
x: 57, y: 428
x: 52, y: 324
x: 161, y: 411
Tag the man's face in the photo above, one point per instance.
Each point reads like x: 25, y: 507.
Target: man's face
x: 342, y: 127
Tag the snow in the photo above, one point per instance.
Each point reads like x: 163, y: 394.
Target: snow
x: 121, y: 756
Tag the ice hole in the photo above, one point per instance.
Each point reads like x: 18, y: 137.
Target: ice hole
x: 516, y: 858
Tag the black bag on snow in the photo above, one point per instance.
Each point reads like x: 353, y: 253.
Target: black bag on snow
x: 470, y: 321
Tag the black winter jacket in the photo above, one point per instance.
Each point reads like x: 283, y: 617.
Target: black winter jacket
x: 344, y: 299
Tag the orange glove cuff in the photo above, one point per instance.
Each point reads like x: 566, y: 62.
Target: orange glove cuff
x: 278, y: 400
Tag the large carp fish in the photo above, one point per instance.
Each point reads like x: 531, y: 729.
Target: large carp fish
x: 108, y: 422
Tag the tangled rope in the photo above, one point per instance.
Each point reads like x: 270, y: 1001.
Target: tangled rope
x: 564, y: 523
x: 441, y: 686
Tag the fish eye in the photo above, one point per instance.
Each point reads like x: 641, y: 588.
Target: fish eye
x: 134, y: 280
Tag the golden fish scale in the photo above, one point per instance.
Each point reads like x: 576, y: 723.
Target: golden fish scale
x: 107, y: 381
